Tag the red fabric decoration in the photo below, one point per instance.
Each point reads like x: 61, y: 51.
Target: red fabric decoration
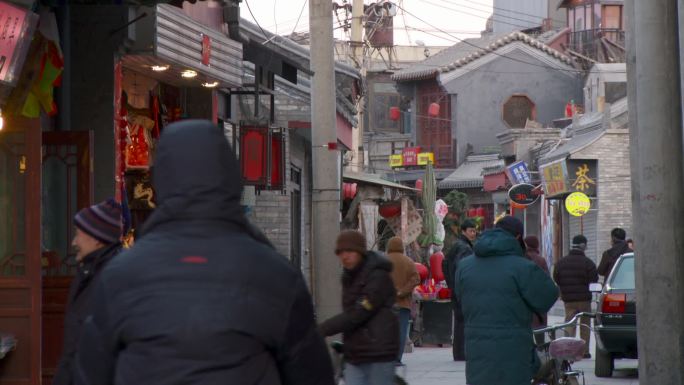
x: 422, y: 271
x: 436, y: 266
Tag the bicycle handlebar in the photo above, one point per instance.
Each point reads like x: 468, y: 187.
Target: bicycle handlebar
x: 564, y: 325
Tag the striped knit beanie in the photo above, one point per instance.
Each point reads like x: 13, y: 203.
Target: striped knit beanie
x: 101, y: 221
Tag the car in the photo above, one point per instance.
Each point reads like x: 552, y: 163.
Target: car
x: 615, y: 325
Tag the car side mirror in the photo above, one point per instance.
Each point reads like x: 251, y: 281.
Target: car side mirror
x: 595, y: 287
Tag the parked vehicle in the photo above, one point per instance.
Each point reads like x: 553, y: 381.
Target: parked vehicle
x: 558, y: 354
x: 615, y: 328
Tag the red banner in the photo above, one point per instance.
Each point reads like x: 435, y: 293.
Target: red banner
x: 410, y: 155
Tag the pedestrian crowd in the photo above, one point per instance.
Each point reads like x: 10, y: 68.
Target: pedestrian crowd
x: 203, y: 297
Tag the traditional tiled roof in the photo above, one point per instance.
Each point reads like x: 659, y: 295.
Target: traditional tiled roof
x: 470, y: 173
x: 468, y: 51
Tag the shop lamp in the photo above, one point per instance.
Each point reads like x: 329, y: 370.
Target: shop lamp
x: 160, y: 68
x: 210, y: 85
x: 189, y: 74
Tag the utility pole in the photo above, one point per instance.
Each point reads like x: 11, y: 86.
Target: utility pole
x: 655, y: 107
x: 357, y: 46
x: 326, y: 162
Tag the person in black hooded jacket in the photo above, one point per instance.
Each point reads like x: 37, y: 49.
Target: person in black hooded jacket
x: 369, y: 326
x: 202, y: 297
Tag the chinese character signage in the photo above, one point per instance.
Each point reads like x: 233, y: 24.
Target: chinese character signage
x: 518, y: 173
x: 583, y: 176
x: 426, y: 157
x: 396, y: 161
x: 16, y: 28
x: 555, y: 178
x: 410, y: 155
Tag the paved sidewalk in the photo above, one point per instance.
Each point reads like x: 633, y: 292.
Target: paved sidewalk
x: 434, y: 366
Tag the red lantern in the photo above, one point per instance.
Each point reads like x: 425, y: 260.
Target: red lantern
x: 422, y: 271
x: 436, y: 266
x: 395, y: 113
x: 390, y: 209
x: 472, y: 213
x: 419, y: 184
x: 349, y: 190
x: 480, y: 212
x: 433, y: 109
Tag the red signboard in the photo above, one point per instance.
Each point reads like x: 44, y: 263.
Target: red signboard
x: 253, y: 155
x: 206, y: 49
x: 410, y: 155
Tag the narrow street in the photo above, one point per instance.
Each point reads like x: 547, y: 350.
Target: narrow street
x: 433, y: 366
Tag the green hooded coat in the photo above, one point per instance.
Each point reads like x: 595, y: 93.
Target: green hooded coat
x: 500, y: 290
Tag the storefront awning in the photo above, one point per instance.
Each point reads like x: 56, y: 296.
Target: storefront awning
x: 470, y: 173
x: 169, y: 39
x: 375, y: 180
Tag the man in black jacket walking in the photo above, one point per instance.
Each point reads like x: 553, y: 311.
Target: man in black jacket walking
x: 369, y: 326
x: 98, y: 229
x: 573, y: 274
x: 202, y: 297
x: 610, y: 256
x: 461, y: 249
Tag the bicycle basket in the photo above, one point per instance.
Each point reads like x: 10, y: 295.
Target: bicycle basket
x: 567, y: 348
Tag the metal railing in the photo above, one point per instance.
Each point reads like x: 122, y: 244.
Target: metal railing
x: 588, y: 42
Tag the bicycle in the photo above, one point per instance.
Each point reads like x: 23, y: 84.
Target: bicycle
x: 558, y: 354
x: 338, y: 348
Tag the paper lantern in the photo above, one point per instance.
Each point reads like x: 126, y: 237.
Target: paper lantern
x: 472, y: 213
x: 349, y: 190
x: 433, y: 109
x: 422, y: 271
x: 436, y: 266
x: 419, y: 184
x: 395, y: 113
x: 390, y: 209
x: 480, y: 212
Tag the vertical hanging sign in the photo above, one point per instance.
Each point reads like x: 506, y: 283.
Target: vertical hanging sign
x: 16, y: 28
x: 206, y: 49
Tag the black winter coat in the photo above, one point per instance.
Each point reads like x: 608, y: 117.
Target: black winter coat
x: 369, y: 325
x: 460, y: 249
x: 79, y: 307
x: 573, y: 274
x: 611, y: 256
x: 200, y: 298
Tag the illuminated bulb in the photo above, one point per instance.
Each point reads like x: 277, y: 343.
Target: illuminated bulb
x: 2, y: 121
x: 159, y: 68
x: 189, y: 74
x: 210, y: 85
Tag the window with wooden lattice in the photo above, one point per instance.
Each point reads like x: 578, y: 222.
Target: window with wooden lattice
x: 517, y: 110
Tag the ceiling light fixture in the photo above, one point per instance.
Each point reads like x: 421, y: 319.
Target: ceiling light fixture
x: 189, y: 74
x: 210, y: 85
x: 160, y: 68
x: 2, y: 120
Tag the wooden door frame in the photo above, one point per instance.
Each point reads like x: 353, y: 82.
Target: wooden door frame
x: 32, y: 278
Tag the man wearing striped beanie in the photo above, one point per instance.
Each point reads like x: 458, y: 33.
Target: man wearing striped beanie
x: 97, y: 241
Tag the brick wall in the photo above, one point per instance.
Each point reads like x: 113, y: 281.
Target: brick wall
x: 614, y: 185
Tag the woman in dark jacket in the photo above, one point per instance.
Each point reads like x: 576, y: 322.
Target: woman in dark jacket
x: 369, y: 326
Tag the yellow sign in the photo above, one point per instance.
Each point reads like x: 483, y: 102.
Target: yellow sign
x: 577, y: 204
x: 426, y: 157
x: 396, y: 161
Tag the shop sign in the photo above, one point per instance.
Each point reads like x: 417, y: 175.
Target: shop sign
x: 410, y: 156
x: 555, y: 178
x: 396, y: 161
x: 206, y: 49
x: 16, y: 28
x: 524, y: 194
x: 583, y: 176
x: 424, y: 158
x: 518, y: 173
x: 577, y: 204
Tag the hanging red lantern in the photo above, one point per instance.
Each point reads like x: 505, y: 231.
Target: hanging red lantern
x: 395, y: 113
x: 349, y: 190
x: 390, y: 209
x: 436, y: 266
x: 472, y: 213
x: 422, y: 271
x: 433, y: 109
x: 419, y: 184
x: 480, y: 212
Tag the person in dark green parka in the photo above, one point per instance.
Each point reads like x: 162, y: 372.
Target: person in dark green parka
x: 500, y: 290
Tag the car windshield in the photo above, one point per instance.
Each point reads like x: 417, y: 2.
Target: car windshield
x: 623, y: 277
